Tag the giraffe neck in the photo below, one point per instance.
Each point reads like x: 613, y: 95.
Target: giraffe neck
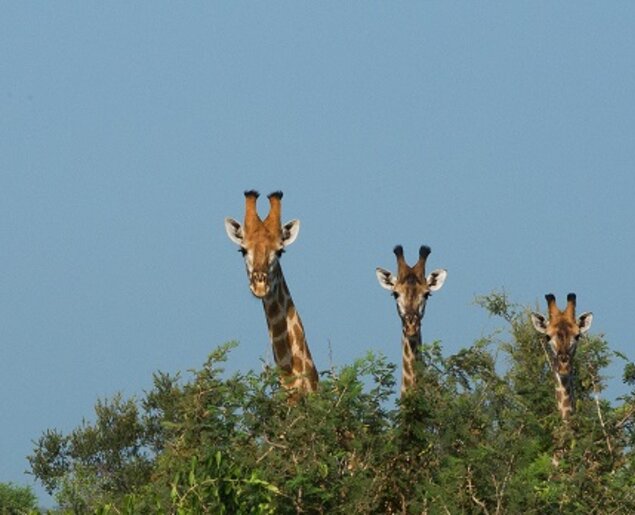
x: 564, y: 395
x: 286, y: 333
x: 411, y: 350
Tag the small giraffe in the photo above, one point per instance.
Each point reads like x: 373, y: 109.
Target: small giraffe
x: 411, y: 290
x: 563, y: 332
x: 262, y: 242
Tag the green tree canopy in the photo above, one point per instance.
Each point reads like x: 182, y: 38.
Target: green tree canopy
x: 480, y: 434
x: 16, y: 500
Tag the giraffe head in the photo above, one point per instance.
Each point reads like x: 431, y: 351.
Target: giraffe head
x: 411, y: 288
x: 563, y: 331
x: 261, y: 242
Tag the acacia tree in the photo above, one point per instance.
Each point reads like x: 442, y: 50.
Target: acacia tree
x: 476, y: 436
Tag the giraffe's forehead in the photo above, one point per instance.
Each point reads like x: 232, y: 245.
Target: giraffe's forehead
x: 262, y: 245
x: 261, y: 239
x: 562, y: 333
x: 563, y: 328
x: 412, y: 286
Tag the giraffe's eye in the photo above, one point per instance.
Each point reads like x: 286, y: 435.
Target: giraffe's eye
x: 395, y: 294
x: 279, y: 252
x: 243, y: 251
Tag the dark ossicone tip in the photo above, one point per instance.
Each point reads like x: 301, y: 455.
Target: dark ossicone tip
x: 571, y: 297
x: 550, y: 297
x: 275, y: 194
x: 252, y: 193
x: 398, y: 250
x: 424, y: 251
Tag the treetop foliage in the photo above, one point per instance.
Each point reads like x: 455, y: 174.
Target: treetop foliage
x: 16, y: 499
x: 469, y: 439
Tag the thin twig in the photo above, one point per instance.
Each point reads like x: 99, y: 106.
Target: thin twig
x: 624, y: 420
x: 470, y: 489
x: 274, y: 444
x: 500, y: 491
x: 596, y: 395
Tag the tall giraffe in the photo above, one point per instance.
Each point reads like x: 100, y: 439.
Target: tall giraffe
x: 563, y: 332
x: 262, y: 242
x: 411, y: 289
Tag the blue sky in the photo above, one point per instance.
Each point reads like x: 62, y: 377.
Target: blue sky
x: 500, y: 134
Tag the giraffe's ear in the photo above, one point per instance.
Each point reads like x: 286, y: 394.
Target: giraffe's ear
x: 436, y: 279
x: 290, y: 232
x: 539, y: 322
x: 385, y: 278
x: 584, y: 322
x: 234, y: 231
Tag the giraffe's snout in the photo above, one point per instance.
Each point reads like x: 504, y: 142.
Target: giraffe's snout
x: 259, y: 284
x: 564, y: 369
x: 563, y: 364
x: 411, y: 324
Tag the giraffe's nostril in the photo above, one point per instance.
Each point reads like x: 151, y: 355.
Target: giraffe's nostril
x: 411, y: 319
x: 259, y: 283
x: 259, y: 277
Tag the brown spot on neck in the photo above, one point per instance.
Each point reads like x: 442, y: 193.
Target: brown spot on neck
x: 273, y: 310
x: 298, y: 335
x: 411, y: 355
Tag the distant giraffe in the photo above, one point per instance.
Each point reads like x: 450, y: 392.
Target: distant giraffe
x: 563, y: 332
x: 411, y: 290
x: 262, y: 243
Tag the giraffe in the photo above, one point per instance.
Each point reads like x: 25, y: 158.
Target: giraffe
x: 563, y: 332
x: 261, y: 243
x: 411, y: 289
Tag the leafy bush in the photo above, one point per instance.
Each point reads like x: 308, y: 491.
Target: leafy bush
x: 469, y: 439
x: 16, y: 499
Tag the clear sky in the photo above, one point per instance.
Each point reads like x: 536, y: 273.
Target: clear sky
x: 500, y: 134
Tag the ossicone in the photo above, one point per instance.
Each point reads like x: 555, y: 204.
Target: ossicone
x: 424, y: 251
